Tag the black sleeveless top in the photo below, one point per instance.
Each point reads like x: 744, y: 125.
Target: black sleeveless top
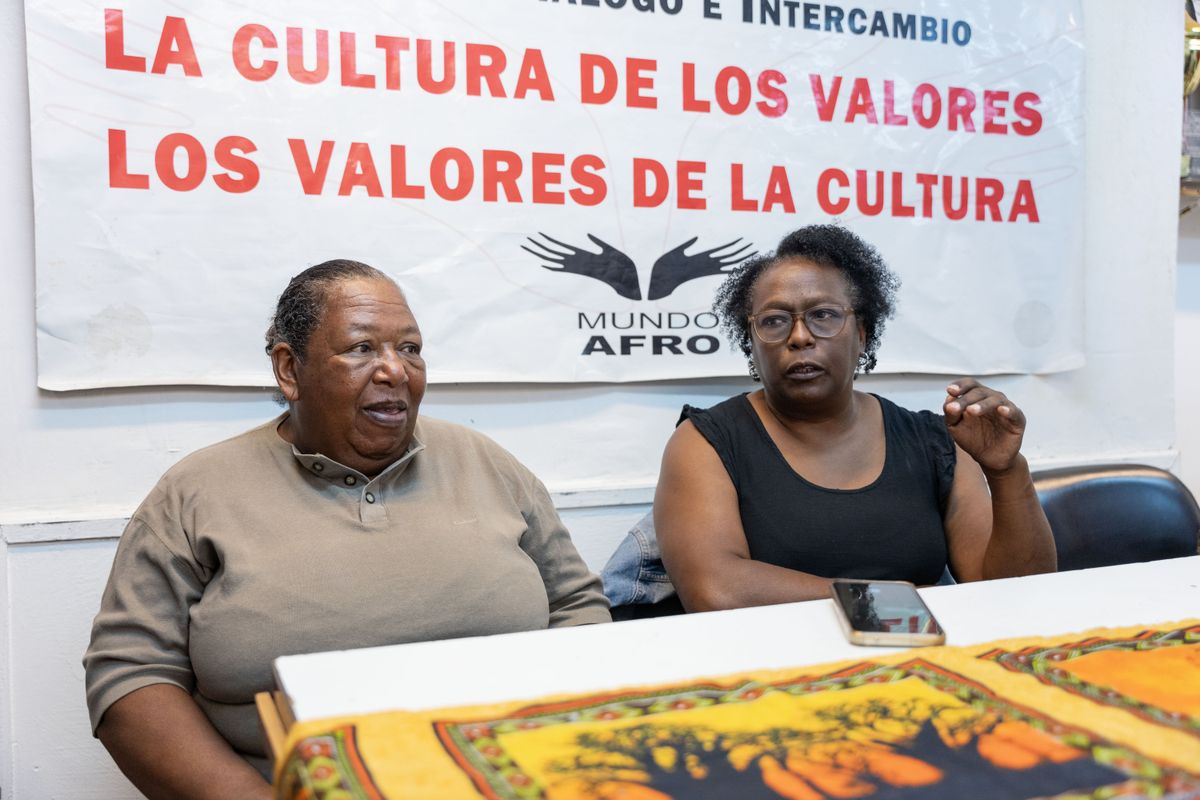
x: 890, y: 529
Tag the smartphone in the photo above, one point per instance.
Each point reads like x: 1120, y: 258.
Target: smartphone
x: 888, y: 613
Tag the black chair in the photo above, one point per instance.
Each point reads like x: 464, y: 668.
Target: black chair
x: 1117, y: 514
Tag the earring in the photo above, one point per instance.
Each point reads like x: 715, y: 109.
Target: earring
x: 754, y: 376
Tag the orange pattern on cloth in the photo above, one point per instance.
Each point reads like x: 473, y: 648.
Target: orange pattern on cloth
x: 1151, y: 674
x: 946, y: 722
x: 1146, y: 675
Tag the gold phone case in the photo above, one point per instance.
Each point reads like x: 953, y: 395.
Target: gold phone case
x: 882, y: 638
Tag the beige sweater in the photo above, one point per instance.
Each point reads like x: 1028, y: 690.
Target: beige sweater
x: 248, y: 550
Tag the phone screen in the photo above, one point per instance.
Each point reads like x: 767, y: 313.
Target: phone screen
x: 882, y: 607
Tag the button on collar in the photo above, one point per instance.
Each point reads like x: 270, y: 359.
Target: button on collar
x: 318, y: 467
x: 351, y: 480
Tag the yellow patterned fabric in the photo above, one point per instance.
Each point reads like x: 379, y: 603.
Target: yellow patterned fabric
x: 1111, y: 713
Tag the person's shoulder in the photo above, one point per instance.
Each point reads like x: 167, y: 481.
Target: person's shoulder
x: 246, y: 450
x: 928, y: 426
x: 919, y: 416
x: 471, y: 457
x: 223, y: 469
x: 431, y: 430
x: 448, y: 438
x: 927, y: 430
x: 726, y: 409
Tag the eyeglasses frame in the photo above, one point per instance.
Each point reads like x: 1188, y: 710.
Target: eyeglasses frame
x: 798, y: 316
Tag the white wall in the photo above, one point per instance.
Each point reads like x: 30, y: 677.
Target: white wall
x: 91, y: 456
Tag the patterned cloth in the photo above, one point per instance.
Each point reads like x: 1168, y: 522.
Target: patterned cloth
x: 1106, y: 714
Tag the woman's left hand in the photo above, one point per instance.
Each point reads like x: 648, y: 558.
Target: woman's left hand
x: 984, y: 423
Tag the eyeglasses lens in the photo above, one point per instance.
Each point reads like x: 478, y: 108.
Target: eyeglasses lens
x: 823, y: 322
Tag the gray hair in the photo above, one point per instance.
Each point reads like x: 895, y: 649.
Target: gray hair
x: 302, y: 303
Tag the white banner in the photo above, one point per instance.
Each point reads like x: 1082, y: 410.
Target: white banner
x: 557, y: 184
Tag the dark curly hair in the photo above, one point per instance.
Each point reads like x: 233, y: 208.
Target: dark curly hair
x: 302, y: 303
x: 873, y: 286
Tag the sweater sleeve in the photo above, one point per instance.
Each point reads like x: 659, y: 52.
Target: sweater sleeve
x: 140, y: 635
x: 574, y: 592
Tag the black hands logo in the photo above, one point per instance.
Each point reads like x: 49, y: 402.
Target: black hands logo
x: 626, y: 332
x: 611, y: 266
x: 675, y: 268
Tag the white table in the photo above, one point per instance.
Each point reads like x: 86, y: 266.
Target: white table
x: 520, y: 666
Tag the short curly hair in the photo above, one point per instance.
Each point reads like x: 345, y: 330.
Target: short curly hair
x: 302, y: 304
x: 873, y: 286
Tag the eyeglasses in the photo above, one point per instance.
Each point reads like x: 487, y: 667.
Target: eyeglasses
x: 824, y: 322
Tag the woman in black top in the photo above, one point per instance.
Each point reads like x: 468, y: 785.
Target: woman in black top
x: 766, y: 497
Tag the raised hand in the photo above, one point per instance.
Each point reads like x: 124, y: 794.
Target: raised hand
x: 674, y: 267
x: 609, y: 265
x: 984, y: 423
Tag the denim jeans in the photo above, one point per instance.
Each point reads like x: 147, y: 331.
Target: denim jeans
x: 634, y: 575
